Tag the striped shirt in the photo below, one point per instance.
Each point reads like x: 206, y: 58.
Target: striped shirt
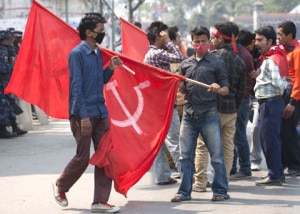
x: 269, y: 83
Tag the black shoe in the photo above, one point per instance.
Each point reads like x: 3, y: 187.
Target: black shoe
x: 292, y: 172
x: 6, y: 134
x: 268, y: 182
x: 239, y: 176
x: 20, y: 132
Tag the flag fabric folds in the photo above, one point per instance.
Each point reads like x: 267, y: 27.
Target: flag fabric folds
x: 40, y: 75
x: 134, y: 41
x: 140, y: 108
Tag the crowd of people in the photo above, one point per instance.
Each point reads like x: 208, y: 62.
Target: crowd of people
x: 10, y: 41
x: 248, y: 76
x: 260, y: 84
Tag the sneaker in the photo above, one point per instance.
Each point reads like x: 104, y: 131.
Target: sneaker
x: 59, y: 196
x: 255, y: 167
x: 197, y: 188
x: 104, y: 208
x: 239, y: 175
x: 176, y: 175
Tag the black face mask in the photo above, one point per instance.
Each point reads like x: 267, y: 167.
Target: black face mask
x: 99, y: 37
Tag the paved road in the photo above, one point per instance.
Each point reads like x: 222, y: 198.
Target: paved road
x: 29, y: 164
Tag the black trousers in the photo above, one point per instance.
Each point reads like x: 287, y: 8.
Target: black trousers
x: 289, y: 137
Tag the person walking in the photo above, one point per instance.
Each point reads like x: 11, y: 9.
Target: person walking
x: 88, y: 114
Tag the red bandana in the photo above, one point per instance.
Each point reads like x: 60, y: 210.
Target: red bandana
x: 277, y: 54
x: 216, y: 32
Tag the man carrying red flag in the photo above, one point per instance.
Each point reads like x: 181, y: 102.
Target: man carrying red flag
x: 87, y: 111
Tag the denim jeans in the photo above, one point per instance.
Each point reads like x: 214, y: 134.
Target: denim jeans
x: 240, y: 138
x: 172, y: 139
x: 162, y: 171
x: 209, y: 126
x: 255, y: 146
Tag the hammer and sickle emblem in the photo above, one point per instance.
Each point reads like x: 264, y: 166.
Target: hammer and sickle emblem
x: 131, y: 119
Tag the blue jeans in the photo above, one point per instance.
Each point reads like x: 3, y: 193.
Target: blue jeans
x: 240, y: 138
x: 162, y: 171
x: 255, y: 148
x: 209, y: 126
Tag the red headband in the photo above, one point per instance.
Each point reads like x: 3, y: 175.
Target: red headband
x: 216, y: 32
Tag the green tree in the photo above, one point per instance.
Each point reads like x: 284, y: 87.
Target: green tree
x: 275, y: 6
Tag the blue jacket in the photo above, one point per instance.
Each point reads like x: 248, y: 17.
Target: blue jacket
x: 87, y: 79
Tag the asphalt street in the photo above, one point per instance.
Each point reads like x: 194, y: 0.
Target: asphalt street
x: 30, y: 163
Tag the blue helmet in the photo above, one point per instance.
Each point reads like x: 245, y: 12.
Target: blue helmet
x: 5, y: 34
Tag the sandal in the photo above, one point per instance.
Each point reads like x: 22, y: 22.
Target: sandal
x: 220, y: 197
x: 178, y: 198
x: 171, y: 181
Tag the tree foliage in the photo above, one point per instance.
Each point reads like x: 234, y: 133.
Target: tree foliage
x: 186, y: 14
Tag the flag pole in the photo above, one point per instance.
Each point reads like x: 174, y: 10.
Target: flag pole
x: 128, y: 69
x: 197, y: 83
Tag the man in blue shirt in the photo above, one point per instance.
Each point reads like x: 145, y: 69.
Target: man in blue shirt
x: 88, y: 113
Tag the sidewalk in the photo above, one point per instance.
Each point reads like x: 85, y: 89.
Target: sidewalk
x: 29, y: 164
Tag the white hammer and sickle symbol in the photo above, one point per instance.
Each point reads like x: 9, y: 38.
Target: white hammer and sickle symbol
x: 131, y: 119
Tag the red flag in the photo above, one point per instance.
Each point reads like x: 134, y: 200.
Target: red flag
x: 40, y: 75
x: 145, y: 102
x: 140, y: 105
x: 134, y: 41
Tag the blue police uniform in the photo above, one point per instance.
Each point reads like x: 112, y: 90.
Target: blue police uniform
x: 7, y: 114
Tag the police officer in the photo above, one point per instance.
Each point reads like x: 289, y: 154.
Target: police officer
x: 8, y: 107
x: 17, y: 41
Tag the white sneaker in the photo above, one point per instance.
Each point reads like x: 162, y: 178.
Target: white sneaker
x: 176, y: 175
x: 104, y: 208
x: 255, y: 167
x: 59, y: 196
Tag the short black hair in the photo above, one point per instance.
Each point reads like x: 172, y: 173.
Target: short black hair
x: 172, y: 32
x: 200, y: 30
x: 138, y: 24
x: 234, y: 28
x: 154, y: 30
x: 89, y: 22
x: 224, y: 29
x: 288, y: 27
x: 269, y: 32
x: 245, y: 37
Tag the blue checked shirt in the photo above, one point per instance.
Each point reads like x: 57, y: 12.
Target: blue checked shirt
x: 269, y: 83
